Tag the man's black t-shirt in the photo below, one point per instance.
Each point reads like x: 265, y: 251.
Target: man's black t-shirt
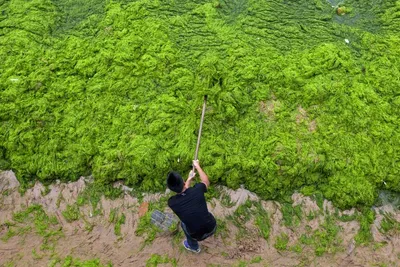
x: 191, y: 208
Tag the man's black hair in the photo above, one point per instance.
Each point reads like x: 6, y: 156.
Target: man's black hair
x: 175, y: 182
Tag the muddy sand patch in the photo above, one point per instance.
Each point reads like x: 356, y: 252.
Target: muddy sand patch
x: 65, y: 223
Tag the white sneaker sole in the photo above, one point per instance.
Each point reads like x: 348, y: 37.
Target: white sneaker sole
x: 191, y: 250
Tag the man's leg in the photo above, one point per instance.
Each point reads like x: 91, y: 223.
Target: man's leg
x: 209, y: 234
x: 193, y: 244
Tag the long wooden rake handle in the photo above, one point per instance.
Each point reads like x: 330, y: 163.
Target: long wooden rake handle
x: 201, y: 127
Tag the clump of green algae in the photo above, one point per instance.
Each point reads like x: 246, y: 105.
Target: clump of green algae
x: 114, y: 89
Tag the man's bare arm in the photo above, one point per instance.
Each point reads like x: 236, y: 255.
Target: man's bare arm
x: 192, y: 174
x: 202, y: 174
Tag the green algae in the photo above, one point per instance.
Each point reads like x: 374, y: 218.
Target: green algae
x: 298, y: 95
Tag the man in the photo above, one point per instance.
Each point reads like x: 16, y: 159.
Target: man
x: 189, y: 204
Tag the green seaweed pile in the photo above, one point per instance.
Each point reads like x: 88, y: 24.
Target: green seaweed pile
x: 303, y: 95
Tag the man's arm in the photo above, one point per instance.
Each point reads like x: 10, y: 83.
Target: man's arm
x: 202, y: 174
x: 192, y: 174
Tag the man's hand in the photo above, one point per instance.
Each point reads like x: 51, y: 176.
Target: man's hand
x: 192, y: 174
x: 196, y: 164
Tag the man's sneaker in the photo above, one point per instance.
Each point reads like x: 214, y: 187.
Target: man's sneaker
x: 186, y: 245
